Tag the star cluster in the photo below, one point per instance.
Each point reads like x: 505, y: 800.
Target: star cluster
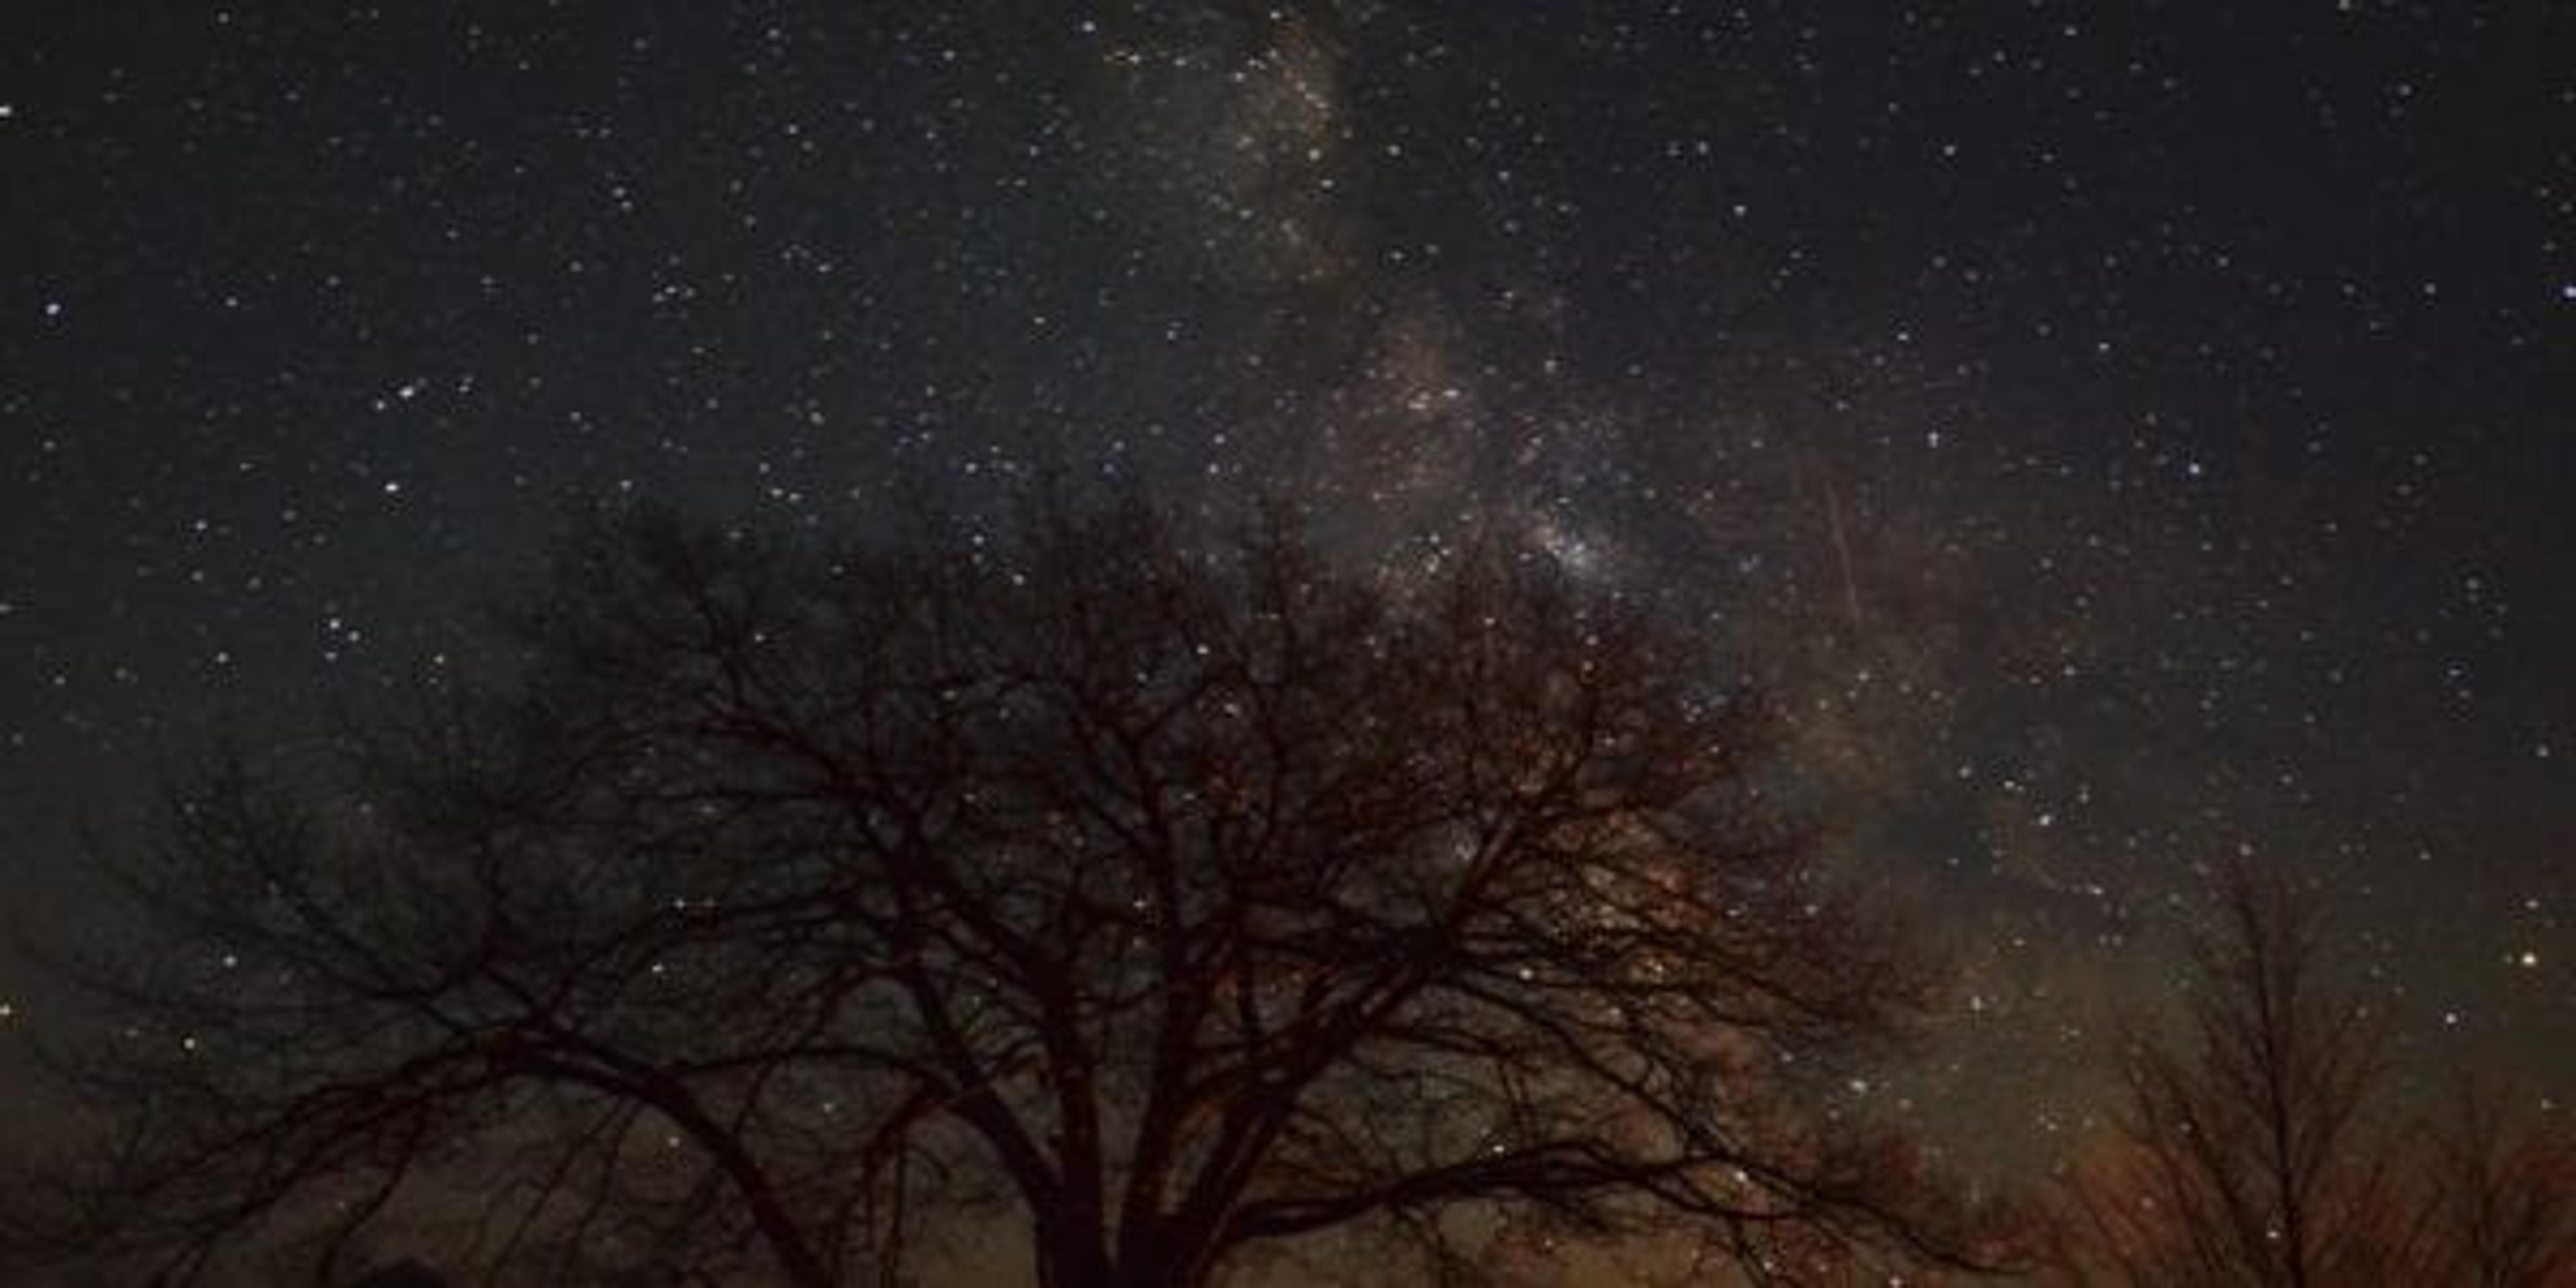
x: 2118, y: 437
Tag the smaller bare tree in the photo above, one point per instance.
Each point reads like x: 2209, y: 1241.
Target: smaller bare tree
x: 2503, y: 1188
x: 2248, y: 1152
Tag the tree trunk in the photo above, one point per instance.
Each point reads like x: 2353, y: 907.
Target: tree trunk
x: 1079, y: 1263
x: 1072, y: 1258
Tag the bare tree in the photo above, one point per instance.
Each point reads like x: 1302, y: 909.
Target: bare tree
x: 1193, y: 899
x: 2503, y: 1189
x: 2249, y: 1151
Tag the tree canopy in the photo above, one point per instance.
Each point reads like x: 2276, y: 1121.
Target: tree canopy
x: 1188, y: 898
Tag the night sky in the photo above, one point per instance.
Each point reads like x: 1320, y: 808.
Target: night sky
x: 2121, y: 435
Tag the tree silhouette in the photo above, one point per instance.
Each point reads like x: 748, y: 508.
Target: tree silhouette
x: 2248, y: 1151
x: 2503, y: 1190
x: 1190, y: 898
